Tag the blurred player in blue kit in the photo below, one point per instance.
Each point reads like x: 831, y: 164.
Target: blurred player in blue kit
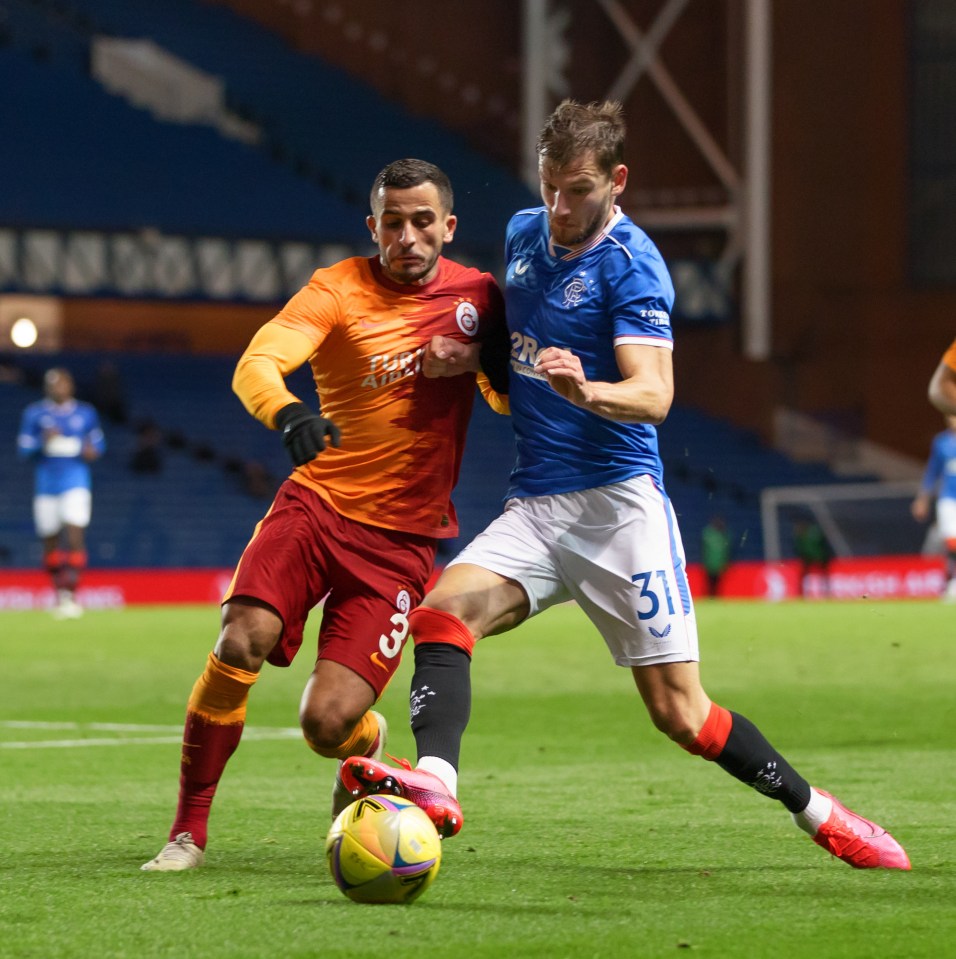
x: 62, y: 436
x: 939, y: 482
x: 586, y: 518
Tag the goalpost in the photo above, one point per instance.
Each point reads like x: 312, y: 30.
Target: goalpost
x: 858, y: 519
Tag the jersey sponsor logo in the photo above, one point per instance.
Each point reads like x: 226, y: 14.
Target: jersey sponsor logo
x: 524, y: 354
x: 521, y: 267
x: 466, y: 316
x: 522, y: 370
x: 385, y: 368
x: 657, y: 317
x: 60, y: 446
x: 524, y: 349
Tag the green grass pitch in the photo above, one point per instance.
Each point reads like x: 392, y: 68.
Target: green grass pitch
x: 586, y: 833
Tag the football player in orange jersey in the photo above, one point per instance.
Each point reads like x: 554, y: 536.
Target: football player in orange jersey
x: 358, y: 522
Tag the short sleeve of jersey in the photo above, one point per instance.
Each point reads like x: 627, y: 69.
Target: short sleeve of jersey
x: 641, y: 295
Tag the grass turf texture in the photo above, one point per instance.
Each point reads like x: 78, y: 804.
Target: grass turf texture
x: 586, y: 833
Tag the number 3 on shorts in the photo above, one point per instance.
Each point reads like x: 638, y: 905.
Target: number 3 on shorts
x: 391, y: 645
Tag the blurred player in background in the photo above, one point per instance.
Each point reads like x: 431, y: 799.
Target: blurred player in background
x: 359, y: 520
x: 62, y: 436
x: 815, y: 554
x: 942, y: 386
x: 588, y: 300
x: 939, y: 482
x: 715, y: 552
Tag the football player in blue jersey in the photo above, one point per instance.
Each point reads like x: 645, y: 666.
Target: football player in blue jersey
x: 62, y: 436
x: 586, y: 516
x: 939, y: 482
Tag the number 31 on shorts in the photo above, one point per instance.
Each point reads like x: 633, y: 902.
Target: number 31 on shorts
x: 650, y: 603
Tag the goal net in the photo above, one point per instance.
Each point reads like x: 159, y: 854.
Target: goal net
x: 858, y: 519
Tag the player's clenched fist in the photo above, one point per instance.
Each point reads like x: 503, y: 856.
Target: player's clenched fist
x: 445, y: 356
x: 304, y: 433
x: 564, y: 373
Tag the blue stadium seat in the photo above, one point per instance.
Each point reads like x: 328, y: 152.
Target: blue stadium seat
x: 197, y: 512
x: 88, y: 160
x: 325, y: 136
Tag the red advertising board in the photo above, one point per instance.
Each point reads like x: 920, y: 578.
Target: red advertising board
x: 882, y: 577
x: 874, y: 577
x: 115, y: 588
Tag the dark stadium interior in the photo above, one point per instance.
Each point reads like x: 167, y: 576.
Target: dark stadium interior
x: 863, y: 298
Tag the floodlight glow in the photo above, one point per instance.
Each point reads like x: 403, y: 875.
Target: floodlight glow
x: 23, y: 333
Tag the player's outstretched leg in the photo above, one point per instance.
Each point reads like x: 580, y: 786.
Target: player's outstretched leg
x: 366, y: 777
x: 739, y: 748
x: 341, y: 797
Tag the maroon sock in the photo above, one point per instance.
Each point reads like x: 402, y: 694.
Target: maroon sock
x: 206, y: 750
x: 215, y: 717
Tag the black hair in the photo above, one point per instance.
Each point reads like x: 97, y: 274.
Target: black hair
x: 403, y: 174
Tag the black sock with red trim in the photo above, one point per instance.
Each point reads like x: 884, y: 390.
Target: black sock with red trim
x: 440, y: 700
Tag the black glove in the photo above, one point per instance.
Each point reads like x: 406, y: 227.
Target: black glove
x: 304, y: 432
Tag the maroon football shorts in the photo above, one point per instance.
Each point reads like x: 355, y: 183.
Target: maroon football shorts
x: 370, y: 578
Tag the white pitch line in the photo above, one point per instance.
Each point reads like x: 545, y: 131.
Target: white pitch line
x: 70, y: 743
x: 99, y: 727
x: 249, y: 733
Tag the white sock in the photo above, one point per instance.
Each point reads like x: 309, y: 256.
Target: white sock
x: 445, y: 771
x: 816, y: 814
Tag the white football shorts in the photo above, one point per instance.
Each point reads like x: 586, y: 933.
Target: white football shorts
x: 616, y: 550
x: 946, y: 517
x: 70, y: 508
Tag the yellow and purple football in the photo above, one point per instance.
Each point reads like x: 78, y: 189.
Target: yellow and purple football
x: 383, y: 849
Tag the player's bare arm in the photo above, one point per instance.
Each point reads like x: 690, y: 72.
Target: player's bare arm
x: 445, y: 356
x: 644, y: 395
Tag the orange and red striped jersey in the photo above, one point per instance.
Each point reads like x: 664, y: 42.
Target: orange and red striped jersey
x: 403, y: 435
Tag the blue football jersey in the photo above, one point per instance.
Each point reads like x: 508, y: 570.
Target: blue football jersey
x: 940, y: 475
x: 616, y: 290
x: 54, y: 436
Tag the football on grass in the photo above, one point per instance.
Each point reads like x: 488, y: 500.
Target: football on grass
x: 383, y: 849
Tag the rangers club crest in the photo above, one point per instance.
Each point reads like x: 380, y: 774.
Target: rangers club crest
x: 574, y: 291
